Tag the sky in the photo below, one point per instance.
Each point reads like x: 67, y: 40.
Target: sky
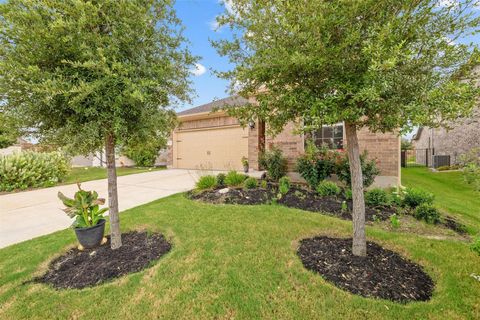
x: 198, y: 18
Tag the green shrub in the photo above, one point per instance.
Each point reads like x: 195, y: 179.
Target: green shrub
x: 347, y: 193
x: 471, y: 167
x: 263, y: 184
x: 443, y: 168
x: 394, y: 221
x: 328, y: 188
x: 143, y: 154
x: 284, y: 185
x: 221, y: 179
x: 274, y: 162
x: 316, y: 164
x: 250, y: 183
x: 369, y: 170
x: 32, y: 170
x: 377, y: 197
x: 234, y: 179
x: 475, y: 246
x: 428, y: 213
x: 206, y: 182
x: 413, y: 197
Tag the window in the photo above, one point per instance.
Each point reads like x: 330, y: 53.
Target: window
x: 331, y: 136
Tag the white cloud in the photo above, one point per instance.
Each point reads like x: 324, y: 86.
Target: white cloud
x: 214, y: 25
x: 199, y: 70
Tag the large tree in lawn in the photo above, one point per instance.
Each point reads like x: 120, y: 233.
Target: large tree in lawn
x: 377, y: 64
x: 90, y: 75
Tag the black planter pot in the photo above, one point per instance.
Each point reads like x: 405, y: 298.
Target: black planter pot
x: 92, y: 236
x: 245, y: 169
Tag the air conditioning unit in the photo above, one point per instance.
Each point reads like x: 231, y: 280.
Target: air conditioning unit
x: 440, y: 161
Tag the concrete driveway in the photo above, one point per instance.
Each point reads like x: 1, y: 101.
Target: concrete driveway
x: 26, y: 215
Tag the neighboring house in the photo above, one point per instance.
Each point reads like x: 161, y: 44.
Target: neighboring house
x: 461, y: 136
x: 215, y: 141
x: 98, y: 160
x: 19, y: 146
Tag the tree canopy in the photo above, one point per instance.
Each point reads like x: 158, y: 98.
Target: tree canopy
x: 386, y: 65
x: 77, y: 70
x: 94, y: 74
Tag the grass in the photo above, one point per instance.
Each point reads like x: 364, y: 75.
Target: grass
x: 82, y: 174
x: 237, y: 262
x: 452, y: 193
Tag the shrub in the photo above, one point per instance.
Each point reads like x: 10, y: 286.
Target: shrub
x: 347, y: 193
x: 443, y: 168
x: 328, y: 188
x: 475, y: 246
x: 263, y: 184
x: 274, y: 162
x: 234, y: 179
x: 316, y: 164
x: 250, y: 183
x: 284, y: 185
x: 206, y: 182
x: 428, y: 213
x: 369, y: 170
x: 32, y: 170
x: 221, y: 179
x: 414, y: 197
x: 394, y: 221
x: 471, y: 167
x: 143, y: 154
x: 377, y: 197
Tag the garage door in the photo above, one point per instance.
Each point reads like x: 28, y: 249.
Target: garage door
x: 215, y: 149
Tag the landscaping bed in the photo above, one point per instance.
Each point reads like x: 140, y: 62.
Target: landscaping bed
x: 382, y: 274
x: 79, y: 269
x: 296, y: 197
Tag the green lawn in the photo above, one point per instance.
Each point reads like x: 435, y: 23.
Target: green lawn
x: 82, y: 174
x: 452, y: 194
x: 234, y: 262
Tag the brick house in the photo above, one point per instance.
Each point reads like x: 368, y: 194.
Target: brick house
x: 212, y: 140
x: 461, y: 136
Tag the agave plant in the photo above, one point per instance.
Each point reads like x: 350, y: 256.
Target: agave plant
x: 84, y: 207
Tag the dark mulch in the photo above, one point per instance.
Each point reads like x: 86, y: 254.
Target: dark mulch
x: 309, y: 201
x: 233, y: 196
x: 452, y: 224
x: 80, y: 269
x: 382, y: 274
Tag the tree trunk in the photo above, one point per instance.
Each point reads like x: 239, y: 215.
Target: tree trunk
x: 115, y: 234
x: 359, y: 247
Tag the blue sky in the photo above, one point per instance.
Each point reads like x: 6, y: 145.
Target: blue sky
x: 198, y: 17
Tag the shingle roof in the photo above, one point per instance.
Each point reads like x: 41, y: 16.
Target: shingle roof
x: 228, y: 102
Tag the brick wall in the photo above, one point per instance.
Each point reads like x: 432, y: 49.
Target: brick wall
x: 384, y: 147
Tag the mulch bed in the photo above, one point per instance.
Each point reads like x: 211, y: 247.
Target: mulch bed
x: 80, y: 269
x: 296, y: 197
x: 233, y: 196
x: 382, y: 274
x: 309, y: 201
x: 450, y: 223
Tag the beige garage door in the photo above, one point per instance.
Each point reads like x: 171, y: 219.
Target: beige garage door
x: 215, y: 149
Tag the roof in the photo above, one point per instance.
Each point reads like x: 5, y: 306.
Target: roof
x: 417, y: 135
x: 232, y: 101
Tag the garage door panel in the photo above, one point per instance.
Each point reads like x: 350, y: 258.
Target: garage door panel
x: 218, y: 149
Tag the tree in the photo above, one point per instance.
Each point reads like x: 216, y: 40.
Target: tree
x: 406, y: 144
x: 381, y: 65
x: 9, y: 131
x: 90, y: 75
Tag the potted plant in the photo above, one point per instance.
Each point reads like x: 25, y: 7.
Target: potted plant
x: 245, y: 164
x: 89, y: 224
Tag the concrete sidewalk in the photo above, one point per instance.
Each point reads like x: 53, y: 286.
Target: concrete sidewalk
x: 30, y: 214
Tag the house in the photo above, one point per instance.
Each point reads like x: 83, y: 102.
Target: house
x: 210, y: 139
x: 460, y: 137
